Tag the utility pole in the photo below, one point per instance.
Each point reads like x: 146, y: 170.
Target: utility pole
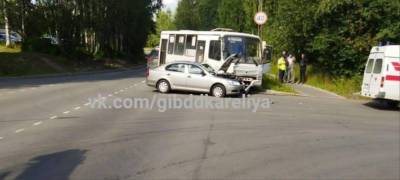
x: 261, y: 26
x: 6, y: 23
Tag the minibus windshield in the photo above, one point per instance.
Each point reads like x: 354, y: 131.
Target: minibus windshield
x: 248, y: 48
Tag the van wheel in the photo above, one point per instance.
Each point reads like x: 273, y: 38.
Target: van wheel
x: 392, y: 104
x: 163, y: 86
x: 218, y: 91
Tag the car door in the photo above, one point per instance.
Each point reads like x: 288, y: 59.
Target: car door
x: 376, y: 76
x: 197, y: 79
x: 176, y: 75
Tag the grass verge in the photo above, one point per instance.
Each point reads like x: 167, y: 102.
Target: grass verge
x: 14, y: 62
x: 270, y: 83
x: 346, y: 87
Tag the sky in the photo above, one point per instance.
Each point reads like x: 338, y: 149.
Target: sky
x: 170, y: 4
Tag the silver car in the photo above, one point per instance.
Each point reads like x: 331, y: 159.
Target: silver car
x: 190, y: 76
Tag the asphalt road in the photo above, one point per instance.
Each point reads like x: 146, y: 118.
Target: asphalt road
x: 49, y: 131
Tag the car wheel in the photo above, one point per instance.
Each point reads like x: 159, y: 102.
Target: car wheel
x: 163, y: 86
x: 218, y: 91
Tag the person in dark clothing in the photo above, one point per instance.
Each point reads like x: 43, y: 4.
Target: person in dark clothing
x: 303, y: 68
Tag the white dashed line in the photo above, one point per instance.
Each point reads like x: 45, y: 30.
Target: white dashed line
x: 115, y: 92
x: 1, y: 138
x: 143, y: 81
x: 66, y: 112
x: 11, y: 92
x: 22, y: 90
x: 37, y: 123
x: 87, y: 104
x: 110, y: 95
x: 33, y: 88
x: 19, y: 130
x: 53, y: 117
x: 121, y: 90
x: 77, y: 108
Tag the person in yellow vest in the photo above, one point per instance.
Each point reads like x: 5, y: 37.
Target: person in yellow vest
x: 282, y: 67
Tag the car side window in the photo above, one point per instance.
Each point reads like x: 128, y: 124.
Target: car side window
x: 195, y: 70
x: 176, y: 68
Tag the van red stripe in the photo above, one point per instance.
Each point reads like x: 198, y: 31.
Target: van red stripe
x: 392, y: 78
x: 396, y: 66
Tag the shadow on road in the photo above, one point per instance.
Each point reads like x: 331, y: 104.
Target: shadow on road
x: 58, y: 166
x: 381, y: 106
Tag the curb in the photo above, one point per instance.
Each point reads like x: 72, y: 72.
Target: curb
x: 324, y: 90
x: 72, y: 74
x: 279, y: 93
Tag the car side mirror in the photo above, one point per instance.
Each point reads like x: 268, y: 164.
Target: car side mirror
x: 203, y: 73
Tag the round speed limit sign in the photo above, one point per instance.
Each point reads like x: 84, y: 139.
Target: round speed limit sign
x: 260, y: 18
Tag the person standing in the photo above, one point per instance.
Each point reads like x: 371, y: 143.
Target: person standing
x: 285, y: 75
x: 282, y: 67
x: 303, y: 68
x: 290, y: 68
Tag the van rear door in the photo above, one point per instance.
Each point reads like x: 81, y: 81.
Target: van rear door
x: 376, y: 78
x: 368, y: 76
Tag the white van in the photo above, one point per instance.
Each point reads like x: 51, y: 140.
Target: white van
x: 382, y: 74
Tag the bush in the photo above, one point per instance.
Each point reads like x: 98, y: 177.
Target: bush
x: 41, y: 45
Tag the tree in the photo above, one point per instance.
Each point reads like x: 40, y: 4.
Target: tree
x: 6, y: 23
x: 164, y: 21
x: 208, y: 13
x: 231, y: 15
x: 187, y: 16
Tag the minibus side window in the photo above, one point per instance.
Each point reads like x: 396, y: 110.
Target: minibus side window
x: 180, y: 44
x: 171, y: 44
x: 370, y: 64
x: 378, y: 66
x: 215, y: 50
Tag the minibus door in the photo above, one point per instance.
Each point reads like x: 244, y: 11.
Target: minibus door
x: 201, y: 46
x: 163, y: 51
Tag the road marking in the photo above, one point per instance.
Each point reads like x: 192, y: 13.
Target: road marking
x: 33, y: 88
x: 22, y: 90
x: 52, y: 85
x: 37, y: 123
x: 115, y: 92
x: 66, y: 112
x: 87, y: 104
x: 121, y: 90
x: 110, y: 95
x: 11, y: 92
x: 135, y: 84
x: 19, y: 130
x: 77, y: 108
x: 53, y: 117
x: 1, y: 138
x: 143, y: 81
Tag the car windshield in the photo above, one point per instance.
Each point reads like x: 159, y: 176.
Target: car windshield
x: 248, y: 48
x: 208, y: 68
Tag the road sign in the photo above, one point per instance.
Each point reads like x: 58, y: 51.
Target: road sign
x: 260, y: 18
